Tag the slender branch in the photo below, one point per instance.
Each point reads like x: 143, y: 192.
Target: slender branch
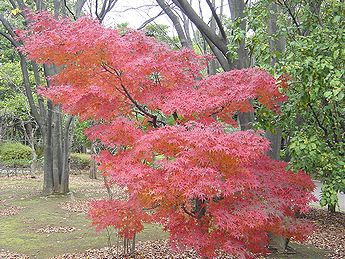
x: 111, y: 5
x: 341, y: 122
x: 10, y: 39
x: 104, y: 5
x: 28, y: 91
x: 218, y: 21
x: 158, y: 121
x: 291, y: 15
x: 187, y: 212
x: 96, y: 12
x: 143, y: 25
x: 22, y: 7
x: 107, y: 186
x: 129, y: 96
x: 181, y: 34
x: 320, y: 125
x: 13, y: 3
x: 8, y: 26
x: 137, y: 8
x: 69, y: 10
x: 153, y: 207
x: 219, y: 42
x: 226, y: 65
x: 153, y: 117
x: 107, y: 5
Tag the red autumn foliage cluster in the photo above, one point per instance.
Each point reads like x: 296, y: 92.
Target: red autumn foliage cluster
x: 210, y: 187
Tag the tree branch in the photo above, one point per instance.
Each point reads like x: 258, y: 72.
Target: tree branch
x: 10, y: 39
x: 291, y: 15
x: 220, y: 57
x: 143, y: 25
x: 320, y: 125
x: 218, y: 21
x: 129, y: 96
x: 69, y: 10
x: 7, y: 26
x: 188, y: 212
x: 28, y: 91
x: 220, y: 43
x: 79, y: 7
x: 42, y: 109
x: 181, y: 34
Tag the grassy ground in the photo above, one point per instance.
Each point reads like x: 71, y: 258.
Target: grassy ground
x: 28, y: 220
x: 44, y: 227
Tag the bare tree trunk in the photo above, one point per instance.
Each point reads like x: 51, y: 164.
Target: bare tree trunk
x: 237, y: 8
x: 48, y: 184
x: 29, y: 132
x: 34, y: 162
x: 93, y: 164
x: 56, y: 148
x: 56, y: 152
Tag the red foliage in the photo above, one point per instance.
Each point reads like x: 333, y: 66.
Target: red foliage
x: 211, y: 189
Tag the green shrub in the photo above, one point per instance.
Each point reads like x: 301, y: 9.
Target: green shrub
x: 15, y: 154
x: 79, y: 161
x: 16, y: 163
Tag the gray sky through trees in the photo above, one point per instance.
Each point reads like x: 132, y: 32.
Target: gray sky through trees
x: 136, y: 12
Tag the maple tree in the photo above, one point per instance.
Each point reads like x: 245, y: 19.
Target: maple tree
x: 212, y: 186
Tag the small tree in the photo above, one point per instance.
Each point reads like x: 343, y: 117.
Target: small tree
x: 171, y: 138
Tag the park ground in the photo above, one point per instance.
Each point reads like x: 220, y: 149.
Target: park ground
x: 34, y: 226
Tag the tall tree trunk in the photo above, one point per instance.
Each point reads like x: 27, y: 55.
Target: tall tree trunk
x: 275, y: 136
x: 56, y: 152
x: 277, y: 45
x: 48, y: 183
x: 237, y: 8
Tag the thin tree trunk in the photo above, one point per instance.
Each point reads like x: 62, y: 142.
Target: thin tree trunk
x: 93, y: 164
x: 56, y: 143
x: 65, y: 153
x: 48, y: 153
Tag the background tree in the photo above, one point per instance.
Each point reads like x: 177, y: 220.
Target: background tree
x: 317, y: 98
x: 55, y: 127
x: 311, y: 119
x: 17, y: 123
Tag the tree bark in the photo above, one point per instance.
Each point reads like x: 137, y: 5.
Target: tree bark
x: 275, y: 137
x: 93, y: 164
x: 237, y: 8
x: 177, y: 25
x: 277, y: 45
